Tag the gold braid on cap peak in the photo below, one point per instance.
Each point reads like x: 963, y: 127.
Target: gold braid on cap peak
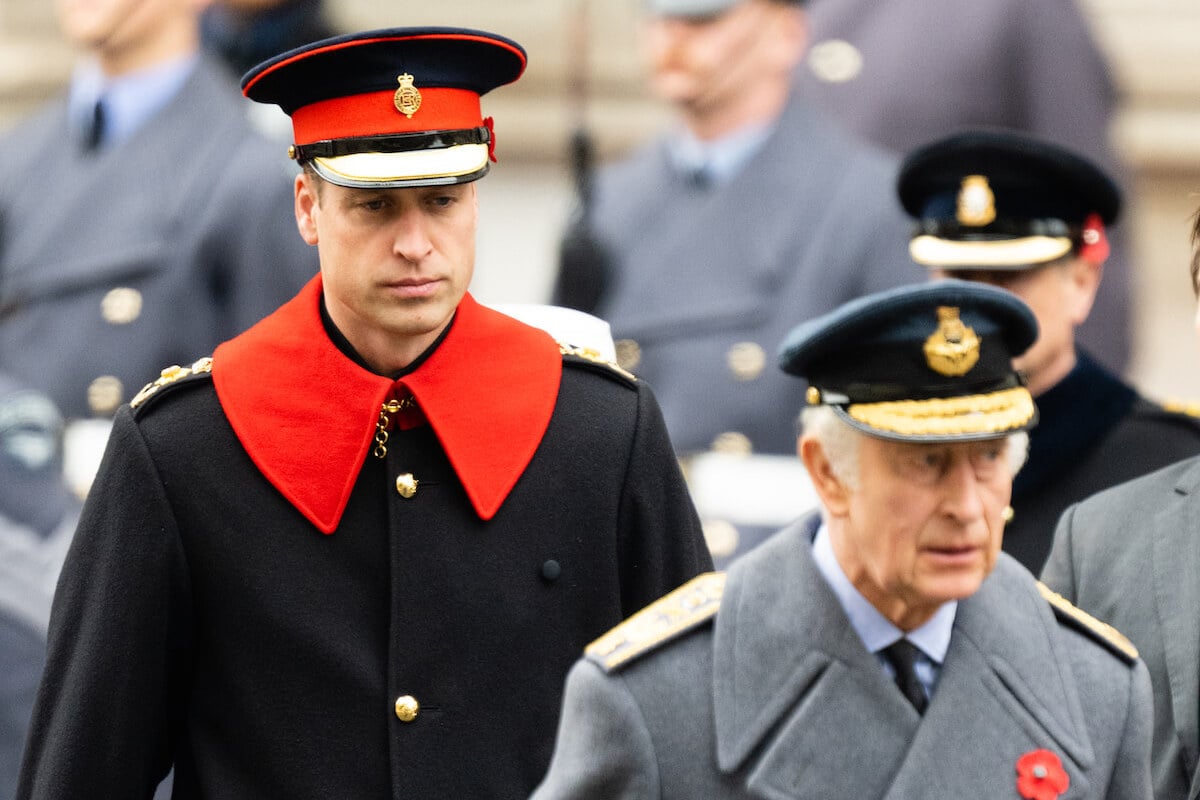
x: 945, y: 416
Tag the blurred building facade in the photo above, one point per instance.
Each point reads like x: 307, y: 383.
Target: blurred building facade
x: 1150, y: 44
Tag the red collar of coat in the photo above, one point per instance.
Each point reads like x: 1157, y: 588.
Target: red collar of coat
x: 306, y: 414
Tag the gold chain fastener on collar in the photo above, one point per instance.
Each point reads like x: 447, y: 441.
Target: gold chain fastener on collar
x: 385, y: 422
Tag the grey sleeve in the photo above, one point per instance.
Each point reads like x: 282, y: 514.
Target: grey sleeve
x: 1131, y: 768
x: 603, y: 750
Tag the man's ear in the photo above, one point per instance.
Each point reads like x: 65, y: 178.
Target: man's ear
x: 834, y: 494
x: 307, y: 206
x: 1085, y: 277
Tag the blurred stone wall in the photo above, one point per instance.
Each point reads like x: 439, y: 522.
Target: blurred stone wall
x: 1153, y: 45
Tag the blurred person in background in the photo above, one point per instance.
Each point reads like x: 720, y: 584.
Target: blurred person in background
x: 1032, y: 217
x: 906, y: 72
x: 37, y: 520
x: 247, y: 32
x: 142, y: 219
x: 1130, y: 555
x: 708, y: 243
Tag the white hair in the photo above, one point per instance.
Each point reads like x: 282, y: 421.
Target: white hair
x: 841, y: 442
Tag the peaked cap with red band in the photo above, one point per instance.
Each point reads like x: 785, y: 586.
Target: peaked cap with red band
x: 999, y: 199
x: 391, y: 108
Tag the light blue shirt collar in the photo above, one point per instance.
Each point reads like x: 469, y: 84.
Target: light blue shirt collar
x: 875, y: 630
x: 722, y: 158
x: 130, y: 100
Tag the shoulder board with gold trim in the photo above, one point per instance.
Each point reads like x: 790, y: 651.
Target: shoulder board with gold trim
x: 678, y: 612
x: 1082, y: 621
x: 171, y: 376
x: 588, y: 357
x: 1190, y: 408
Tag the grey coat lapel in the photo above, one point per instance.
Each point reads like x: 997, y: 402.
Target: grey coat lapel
x: 1176, y: 564
x: 790, y: 672
x: 1004, y: 691
x: 797, y: 693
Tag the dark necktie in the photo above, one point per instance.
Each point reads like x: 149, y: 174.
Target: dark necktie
x: 902, y: 655
x: 95, y: 131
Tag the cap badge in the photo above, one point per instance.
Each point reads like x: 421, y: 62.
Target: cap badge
x: 953, y: 348
x: 408, y: 97
x: 976, y: 203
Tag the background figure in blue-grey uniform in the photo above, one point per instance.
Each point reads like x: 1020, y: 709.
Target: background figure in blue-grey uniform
x: 143, y: 234
x: 246, y: 32
x: 37, y: 519
x: 906, y: 72
x: 751, y: 213
x: 1019, y: 212
x: 1130, y: 555
x: 886, y: 649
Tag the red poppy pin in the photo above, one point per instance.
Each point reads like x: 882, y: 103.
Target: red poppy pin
x: 1040, y: 776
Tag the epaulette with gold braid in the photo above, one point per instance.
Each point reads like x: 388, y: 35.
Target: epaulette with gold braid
x: 590, y: 356
x: 1102, y: 632
x: 664, y: 619
x: 171, y: 375
x: 1180, y: 406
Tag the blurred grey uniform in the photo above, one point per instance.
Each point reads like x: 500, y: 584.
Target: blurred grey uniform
x: 1130, y: 556
x: 37, y: 520
x: 705, y: 280
x: 775, y: 695
x: 905, y: 72
x: 118, y: 260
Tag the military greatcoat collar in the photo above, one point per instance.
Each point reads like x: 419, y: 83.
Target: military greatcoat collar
x: 793, y: 682
x: 306, y: 414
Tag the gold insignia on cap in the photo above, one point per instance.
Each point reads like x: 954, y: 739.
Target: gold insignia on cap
x: 407, y: 98
x: 976, y: 202
x: 813, y: 396
x: 953, y: 348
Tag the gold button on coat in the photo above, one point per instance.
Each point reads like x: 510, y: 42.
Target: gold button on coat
x: 407, y: 708
x: 629, y: 354
x: 721, y: 537
x: 121, y: 306
x: 406, y: 485
x: 835, y: 61
x: 104, y: 394
x: 732, y: 443
x: 746, y: 360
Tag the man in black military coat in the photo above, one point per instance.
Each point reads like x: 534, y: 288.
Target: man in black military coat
x: 1030, y: 216
x: 354, y: 552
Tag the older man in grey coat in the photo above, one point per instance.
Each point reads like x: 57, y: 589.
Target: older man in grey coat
x: 887, y: 649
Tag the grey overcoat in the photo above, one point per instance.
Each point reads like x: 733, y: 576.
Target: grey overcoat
x: 705, y: 283
x: 777, y: 698
x: 1130, y: 556
x: 118, y: 262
